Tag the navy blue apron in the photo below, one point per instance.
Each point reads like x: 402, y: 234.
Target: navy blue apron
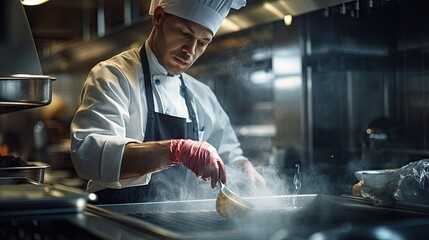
x: 175, y: 183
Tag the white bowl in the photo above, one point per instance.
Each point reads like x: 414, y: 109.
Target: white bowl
x: 376, y: 178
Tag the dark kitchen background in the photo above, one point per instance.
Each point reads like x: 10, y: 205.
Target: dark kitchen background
x: 343, y: 88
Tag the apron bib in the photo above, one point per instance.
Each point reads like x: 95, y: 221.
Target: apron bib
x: 174, y: 183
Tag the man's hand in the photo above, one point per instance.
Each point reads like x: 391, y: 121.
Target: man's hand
x: 254, y: 180
x: 200, y: 157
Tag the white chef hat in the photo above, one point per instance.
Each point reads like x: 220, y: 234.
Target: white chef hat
x: 209, y: 13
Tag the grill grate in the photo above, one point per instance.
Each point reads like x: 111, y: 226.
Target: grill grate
x: 313, y: 213
x: 257, y: 225
x: 184, y: 222
x: 206, y: 223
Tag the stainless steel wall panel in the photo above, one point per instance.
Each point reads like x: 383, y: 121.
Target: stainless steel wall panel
x: 289, y: 89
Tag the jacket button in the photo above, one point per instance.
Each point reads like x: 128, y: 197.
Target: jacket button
x: 157, y: 81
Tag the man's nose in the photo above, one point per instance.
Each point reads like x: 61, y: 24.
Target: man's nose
x: 190, y: 47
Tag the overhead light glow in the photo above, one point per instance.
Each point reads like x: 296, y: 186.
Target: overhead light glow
x: 33, y: 2
x: 288, y: 20
x: 230, y: 25
x: 270, y: 7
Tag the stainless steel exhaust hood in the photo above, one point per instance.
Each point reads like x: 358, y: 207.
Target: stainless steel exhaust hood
x: 84, y: 54
x: 17, y: 50
x: 22, y: 84
x: 270, y: 11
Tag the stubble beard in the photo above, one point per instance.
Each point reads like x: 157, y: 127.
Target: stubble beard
x: 175, y: 68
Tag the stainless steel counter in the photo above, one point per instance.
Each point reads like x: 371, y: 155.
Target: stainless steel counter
x: 277, y: 217
x: 56, y: 212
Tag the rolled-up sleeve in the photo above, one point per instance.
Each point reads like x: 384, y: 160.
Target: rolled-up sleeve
x: 99, y: 129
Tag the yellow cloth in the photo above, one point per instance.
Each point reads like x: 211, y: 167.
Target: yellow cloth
x: 356, y: 189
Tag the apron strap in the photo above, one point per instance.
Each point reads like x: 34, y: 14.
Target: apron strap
x: 147, y: 80
x: 191, y: 111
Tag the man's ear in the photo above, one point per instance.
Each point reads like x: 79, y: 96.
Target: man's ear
x: 158, y: 14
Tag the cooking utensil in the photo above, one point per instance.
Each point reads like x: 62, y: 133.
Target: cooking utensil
x: 229, y: 204
x: 375, y: 178
x: 378, y: 186
x: 34, y: 171
x: 17, y: 180
x: 23, y: 91
x: 41, y: 199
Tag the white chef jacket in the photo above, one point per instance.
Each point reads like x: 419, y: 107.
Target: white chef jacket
x: 113, y: 112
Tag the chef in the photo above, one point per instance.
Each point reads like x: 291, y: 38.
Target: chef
x: 145, y: 130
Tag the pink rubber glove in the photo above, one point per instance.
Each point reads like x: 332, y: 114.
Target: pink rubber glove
x: 200, y: 157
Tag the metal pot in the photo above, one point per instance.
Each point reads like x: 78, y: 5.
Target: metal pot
x: 22, y: 91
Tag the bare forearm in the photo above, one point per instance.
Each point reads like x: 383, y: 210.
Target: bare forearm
x: 142, y: 158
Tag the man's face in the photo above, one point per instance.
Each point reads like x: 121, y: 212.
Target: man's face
x: 178, y: 43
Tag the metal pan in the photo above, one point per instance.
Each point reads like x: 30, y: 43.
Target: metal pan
x: 34, y: 171
x: 16, y: 181
x: 25, y: 199
x: 22, y: 91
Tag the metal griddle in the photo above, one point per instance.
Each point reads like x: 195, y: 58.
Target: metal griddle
x: 298, y: 216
